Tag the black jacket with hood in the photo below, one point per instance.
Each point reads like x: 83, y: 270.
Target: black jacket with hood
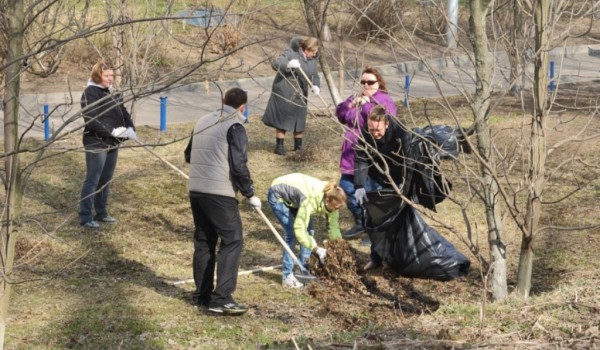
x: 103, y: 111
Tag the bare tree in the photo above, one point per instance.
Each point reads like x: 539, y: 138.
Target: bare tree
x: 25, y: 39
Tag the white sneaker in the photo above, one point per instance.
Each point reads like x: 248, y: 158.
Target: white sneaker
x: 291, y: 282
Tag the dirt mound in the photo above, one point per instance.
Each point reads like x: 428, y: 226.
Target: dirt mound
x: 344, y: 287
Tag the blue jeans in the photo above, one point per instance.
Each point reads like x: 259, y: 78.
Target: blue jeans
x: 347, y: 184
x: 372, y: 185
x: 99, y: 169
x: 286, y: 217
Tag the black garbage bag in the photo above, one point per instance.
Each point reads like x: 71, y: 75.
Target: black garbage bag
x: 449, y: 141
x: 403, y: 240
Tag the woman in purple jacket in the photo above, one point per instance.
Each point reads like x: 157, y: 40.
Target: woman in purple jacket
x: 353, y: 113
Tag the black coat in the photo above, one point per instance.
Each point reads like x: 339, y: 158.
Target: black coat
x: 102, y: 112
x: 393, y: 146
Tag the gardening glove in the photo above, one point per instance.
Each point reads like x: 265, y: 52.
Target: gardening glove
x: 119, y: 132
x: 254, y: 202
x: 316, y: 90
x: 130, y: 134
x: 361, y: 195
x: 293, y: 64
x: 321, y: 253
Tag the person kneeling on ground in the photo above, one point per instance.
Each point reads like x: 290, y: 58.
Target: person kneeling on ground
x: 293, y: 199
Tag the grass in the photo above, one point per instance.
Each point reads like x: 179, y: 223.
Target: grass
x: 113, y: 289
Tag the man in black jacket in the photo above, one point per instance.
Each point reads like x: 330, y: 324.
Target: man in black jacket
x: 218, y: 157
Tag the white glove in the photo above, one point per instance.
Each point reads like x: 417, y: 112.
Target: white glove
x: 254, y: 202
x: 119, y: 132
x: 130, y: 134
x: 321, y: 253
x: 361, y: 196
x: 293, y: 64
x: 316, y: 90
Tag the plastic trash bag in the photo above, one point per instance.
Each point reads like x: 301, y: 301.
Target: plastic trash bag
x: 400, y: 236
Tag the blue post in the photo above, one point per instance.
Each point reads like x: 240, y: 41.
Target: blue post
x: 46, y: 122
x: 406, y: 88
x: 163, y: 113
x: 246, y: 110
x: 551, y: 76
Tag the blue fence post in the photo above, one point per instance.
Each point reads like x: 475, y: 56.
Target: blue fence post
x: 246, y: 110
x: 163, y: 113
x: 406, y: 88
x: 551, y: 76
x: 46, y: 122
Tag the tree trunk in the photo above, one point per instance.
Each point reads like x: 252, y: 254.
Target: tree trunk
x: 537, y: 162
x: 315, y: 27
x: 12, y: 88
x: 480, y: 106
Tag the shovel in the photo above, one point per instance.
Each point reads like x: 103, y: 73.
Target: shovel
x: 304, y: 276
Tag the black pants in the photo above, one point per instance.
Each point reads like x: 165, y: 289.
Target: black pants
x: 216, y: 217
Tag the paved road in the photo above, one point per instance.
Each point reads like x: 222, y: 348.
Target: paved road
x: 187, y: 103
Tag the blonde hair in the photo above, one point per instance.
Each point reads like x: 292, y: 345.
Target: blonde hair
x: 310, y: 44
x: 334, y: 194
x: 98, y: 69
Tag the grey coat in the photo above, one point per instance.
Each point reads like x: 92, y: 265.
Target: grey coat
x: 287, y: 109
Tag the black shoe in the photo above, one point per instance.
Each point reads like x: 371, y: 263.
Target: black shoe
x: 280, y: 150
x: 354, y: 232
x: 199, y: 302
x: 228, y: 309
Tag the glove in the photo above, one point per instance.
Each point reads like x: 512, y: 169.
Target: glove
x: 130, y: 134
x: 316, y: 90
x: 293, y: 64
x: 254, y: 202
x: 359, y: 101
x: 321, y: 253
x: 361, y: 195
x: 119, y: 132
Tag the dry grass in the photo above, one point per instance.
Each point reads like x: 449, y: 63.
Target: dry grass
x: 113, y: 289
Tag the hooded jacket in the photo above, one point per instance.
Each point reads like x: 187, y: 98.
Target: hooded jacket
x: 307, y: 195
x: 393, y: 147
x: 103, y: 111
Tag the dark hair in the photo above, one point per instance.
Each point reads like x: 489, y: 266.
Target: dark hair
x: 375, y: 72
x: 235, y: 97
x: 379, y: 113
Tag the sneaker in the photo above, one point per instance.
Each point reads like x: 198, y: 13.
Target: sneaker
x: 107, y: 220
x: 228, y: 309
x: 91, y: 225
x: 365, y: 242
x: 371, y: 265
x: 291, y: 282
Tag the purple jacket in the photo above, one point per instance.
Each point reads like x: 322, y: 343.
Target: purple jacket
x: 354, y: 119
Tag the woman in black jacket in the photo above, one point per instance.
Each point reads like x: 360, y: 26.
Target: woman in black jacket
x: 107, y: 124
